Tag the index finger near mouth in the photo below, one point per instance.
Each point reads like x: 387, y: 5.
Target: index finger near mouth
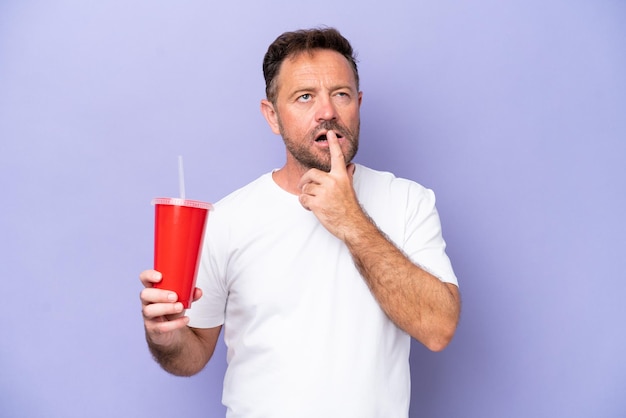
x: 337, y: 160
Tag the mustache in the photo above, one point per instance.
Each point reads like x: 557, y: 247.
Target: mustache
x: 330, y: 125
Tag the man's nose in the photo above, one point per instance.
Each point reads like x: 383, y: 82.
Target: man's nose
x: 326, y: 109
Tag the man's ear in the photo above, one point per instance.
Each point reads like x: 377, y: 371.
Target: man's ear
x: 267, y: 108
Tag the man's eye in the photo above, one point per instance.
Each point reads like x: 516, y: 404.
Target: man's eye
x: 305, y: 97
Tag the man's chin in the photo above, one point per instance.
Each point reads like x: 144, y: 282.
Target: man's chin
x: 318, y: 166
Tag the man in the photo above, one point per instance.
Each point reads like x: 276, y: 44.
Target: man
x: 320, y: 271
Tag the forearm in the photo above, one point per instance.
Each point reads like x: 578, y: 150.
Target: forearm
x: 186, y: 357
x: 415, y: 300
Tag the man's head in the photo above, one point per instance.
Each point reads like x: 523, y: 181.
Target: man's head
x: 312, y: 88
x: 291, y: 44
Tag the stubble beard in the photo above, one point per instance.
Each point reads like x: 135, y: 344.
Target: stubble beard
x: 306, y: 155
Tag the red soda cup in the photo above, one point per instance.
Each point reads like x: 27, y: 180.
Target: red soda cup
x: 178, y: 235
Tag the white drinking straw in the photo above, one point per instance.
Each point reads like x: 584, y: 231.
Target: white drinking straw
x: 181, y: 177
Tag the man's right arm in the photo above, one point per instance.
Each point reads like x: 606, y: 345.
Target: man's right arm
x: 179, y: 349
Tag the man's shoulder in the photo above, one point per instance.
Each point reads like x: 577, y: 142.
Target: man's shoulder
x: 254, y: 188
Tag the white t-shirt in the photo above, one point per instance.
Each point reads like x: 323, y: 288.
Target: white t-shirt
x: 305, y: 337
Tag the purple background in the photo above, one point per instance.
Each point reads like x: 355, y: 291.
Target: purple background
x: 513, y: 112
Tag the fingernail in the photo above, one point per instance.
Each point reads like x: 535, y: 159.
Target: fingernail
x: 171, y: 297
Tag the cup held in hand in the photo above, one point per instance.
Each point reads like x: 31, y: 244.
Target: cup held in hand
x: 178, y: 235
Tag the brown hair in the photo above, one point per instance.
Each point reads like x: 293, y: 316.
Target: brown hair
x: 291, y: 44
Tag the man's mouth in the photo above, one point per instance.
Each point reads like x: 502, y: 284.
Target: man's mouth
x: 323, y: 138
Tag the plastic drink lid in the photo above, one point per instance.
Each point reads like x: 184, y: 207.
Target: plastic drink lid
x: 176, y: 201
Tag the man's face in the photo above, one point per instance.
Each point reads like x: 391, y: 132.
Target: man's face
x: 317, y: 93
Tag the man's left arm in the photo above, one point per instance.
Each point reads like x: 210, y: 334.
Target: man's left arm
x: 415, y: 300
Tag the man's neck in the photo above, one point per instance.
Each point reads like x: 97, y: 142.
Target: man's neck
x: 287, y: 178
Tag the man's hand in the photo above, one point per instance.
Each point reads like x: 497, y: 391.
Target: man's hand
x: 179, y: 349
x: 163, y: 315
x: 330, y: 196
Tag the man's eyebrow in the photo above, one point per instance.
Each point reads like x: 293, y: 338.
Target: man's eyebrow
x: 306, y: 88
x: 301, y: 90
x: 311, y: 88
x: 343, y: 86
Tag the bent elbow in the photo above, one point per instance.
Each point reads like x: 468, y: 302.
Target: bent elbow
x: 437, y: 340
x: 438, y: 345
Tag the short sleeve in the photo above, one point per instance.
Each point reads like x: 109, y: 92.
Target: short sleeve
x: 423, y: 238
x: 208, y: 311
